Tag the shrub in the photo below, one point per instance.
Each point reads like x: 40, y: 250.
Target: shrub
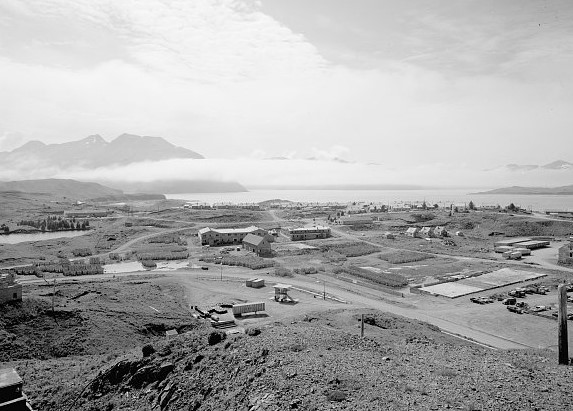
x: 168, y: 239
x: 388, y: 279
x: 166, y: 255
x: 252, y: 262
x: 149, y: 264
x: 283, y: 272
x: 82, y: 252
x: 305, y: 270
x: 82, y: 269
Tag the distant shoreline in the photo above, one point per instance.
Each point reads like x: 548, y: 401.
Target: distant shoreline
x: 516, y: 190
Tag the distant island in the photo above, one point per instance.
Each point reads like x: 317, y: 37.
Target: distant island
x: 563, y: 190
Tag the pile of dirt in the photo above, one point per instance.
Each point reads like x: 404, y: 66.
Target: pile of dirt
x: 320, y: 362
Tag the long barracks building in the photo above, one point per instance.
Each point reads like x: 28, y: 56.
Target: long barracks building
x: 227, y: 236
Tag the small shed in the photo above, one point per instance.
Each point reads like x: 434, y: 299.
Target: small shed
x: 11, y: 396
x: 440, y: 231
x: 255, y: 282
x: 413, y: 232
x: 258, y: 283
x: 426, y: 232
x: 171, y: 333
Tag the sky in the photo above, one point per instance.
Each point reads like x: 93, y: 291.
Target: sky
x: 421, y: 88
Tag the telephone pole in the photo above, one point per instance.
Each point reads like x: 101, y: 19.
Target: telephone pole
x: 563, y: 342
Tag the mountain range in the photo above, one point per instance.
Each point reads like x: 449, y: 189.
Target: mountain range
x: 555, y: 165
x: 94, y: 152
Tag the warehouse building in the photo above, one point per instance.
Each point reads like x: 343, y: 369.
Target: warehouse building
x: 356, y: 220
x: 511, y: 241
x: 226, y: 236
x: 533, y: 244
x: 309, y: 233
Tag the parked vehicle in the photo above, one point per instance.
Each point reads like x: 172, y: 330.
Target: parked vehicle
x: 481, y: 300
x: 514, y: 309
x: 509, y: 301
x: 521, y: 304
x: 516, y: 293
x: 569, y: 315
x: 540, y: 308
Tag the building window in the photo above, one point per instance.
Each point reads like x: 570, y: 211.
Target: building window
x: 15, y: 296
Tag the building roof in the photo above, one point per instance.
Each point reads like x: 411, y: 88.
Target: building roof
x: 510, y: 241
x: 253, y: 240
x: 412, y: 229
x: 230, y: 230
x: 313, y: 228
x: 8, y: 377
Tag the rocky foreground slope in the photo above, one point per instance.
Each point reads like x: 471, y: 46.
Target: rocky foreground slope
x: 319, y: 362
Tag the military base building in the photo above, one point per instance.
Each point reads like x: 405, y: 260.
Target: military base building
x: 227, y: 236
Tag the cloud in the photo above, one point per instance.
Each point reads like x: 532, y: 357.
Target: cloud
x: 225, y: 79
x: 333, y: 153
x: 253, y: 172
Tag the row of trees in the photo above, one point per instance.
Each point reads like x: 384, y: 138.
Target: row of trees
x: 56, y: 224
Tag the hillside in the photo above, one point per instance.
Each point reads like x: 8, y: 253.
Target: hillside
x: 315, y: 362
x: 60, y: 187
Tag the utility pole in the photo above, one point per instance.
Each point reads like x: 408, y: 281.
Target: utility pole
x: 324, y: 290
x: 53, y: 296
x: 563, y: 342
x: 362, y: 325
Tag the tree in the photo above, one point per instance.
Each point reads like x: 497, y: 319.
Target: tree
x: 512, y: 207
x: 424, y: 205
x: 471, y: 205
x: 456, y: 209
x: 436, y: 206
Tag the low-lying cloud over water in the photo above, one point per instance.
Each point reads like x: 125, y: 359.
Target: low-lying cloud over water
x: 297, y: 172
